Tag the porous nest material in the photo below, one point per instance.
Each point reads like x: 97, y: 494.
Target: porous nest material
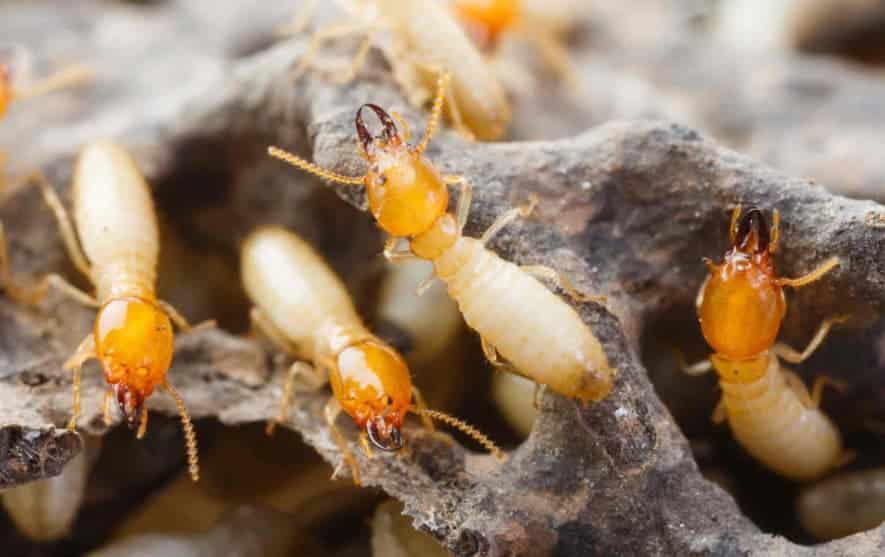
x: 627, y: 209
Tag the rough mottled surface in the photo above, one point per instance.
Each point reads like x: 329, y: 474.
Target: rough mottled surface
x: 627, y: 209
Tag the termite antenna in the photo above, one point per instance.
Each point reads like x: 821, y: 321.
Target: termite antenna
x: 312, y: 168
x: 435, y: 112
x: 68, y: 77
x: 464, y: 427
x: 142, y: 427
x: 190, y: 437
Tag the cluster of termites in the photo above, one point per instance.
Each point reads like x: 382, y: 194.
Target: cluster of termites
x: 111, y: 235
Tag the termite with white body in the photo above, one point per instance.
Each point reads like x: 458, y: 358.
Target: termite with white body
x: 425, y: 38
x: 740, y: 308
x: 305, y: 309
x: 133, y: 337
x: 540, y: 335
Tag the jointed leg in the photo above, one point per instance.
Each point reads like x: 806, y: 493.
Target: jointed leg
x: 357, y: 62
x: 549, y: 273
x: 85, y: 351
x: 331, y: 412
x: 795, y: 383
x: 793, y: 356
x: 697, y: 368
x: 298, y: 368
x: 403, y: 125
x: 106, y: 406
x: 300, y: 21
x: 465, y: 196
x: 66, y: 229
x: 74, y: 74
x: 394, y: 255
x: 817, y: 388
x: 364, y: 443
x: 334, y: 31
x: 180, y: 321
x: 812, y: 276
x: 508, y: 217
x: 553, y: 51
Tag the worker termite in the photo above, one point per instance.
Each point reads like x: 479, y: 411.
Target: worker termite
x: 740, y: 309
x: 132, y: 338
x: 515, y: 314
x: 425, y: 38
x: 844, y: 504
x: 304, y: 308
x: 487, y: 21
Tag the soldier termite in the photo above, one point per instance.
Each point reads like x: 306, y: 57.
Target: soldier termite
x: 740, y: 309
x: 133, y: 338
x: 516, y: 315
x: 304, y: 308
x: 844, y: 504
x: 426, y: 38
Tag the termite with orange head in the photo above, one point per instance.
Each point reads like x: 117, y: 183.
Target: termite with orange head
x: 740, y: 309
x: 425, y: 38
x: 132, y: 338
x: 540, y: 335
x: 843, y: 504
x: 305, y: 309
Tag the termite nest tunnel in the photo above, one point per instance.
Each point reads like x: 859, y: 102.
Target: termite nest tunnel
x: 627, y: 208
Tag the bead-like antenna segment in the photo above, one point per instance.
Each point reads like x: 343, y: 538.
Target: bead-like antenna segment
x: 464, y: 427
x: 312, y: 168
x: 190, y: 437
x: 441, y: 87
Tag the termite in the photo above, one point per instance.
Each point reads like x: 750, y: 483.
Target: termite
x: 740, y: 308
x: 540, y: 335
x: 303, y: 307
x: 426, y: 38
x: 132, y: 338
x: 844, y: 504
x: 487, y: 21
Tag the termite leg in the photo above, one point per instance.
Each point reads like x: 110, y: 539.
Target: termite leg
x: 403, y: 125
x: 260, y: 322
x: 449, y: 100
x: 66, y: 288
x: 85, y: 351
x: 364, y: 442
x: 465, y: 196
x: 66, y: 77
x: 793, y: 356
x: 333, y: 31
x: 298, y: 368
x: 820, y: 382
x: 356, y: 63
x: 697, y: 368
x: 553, y: 52
x: 719, y: 413
x: 66, y: 229
x: 180, y: 321
x: 331, y: 412
x: 106, y: 406
x: 422, y: 406
x: 491, y: 353
x: 394, y: 255
x: 507, y: 217
x: 795, y: 384
x: 300, y: 21
x: 549, y: 273
x: 813, y: 276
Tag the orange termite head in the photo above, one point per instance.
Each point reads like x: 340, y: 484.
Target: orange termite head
x: 406, y: 194
x: 486, y: 20
x: 372, y: 383
x: 741, y: 305
x: 134, y: 342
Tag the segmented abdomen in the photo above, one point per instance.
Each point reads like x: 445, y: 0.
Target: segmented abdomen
x: 536, y: 331
x: 770, y: 421
x: 116, y: 223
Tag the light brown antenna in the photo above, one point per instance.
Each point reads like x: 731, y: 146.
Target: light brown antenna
x: 441, y: 87
x: 464, y: 427
x: 312, y: 168
x: 190, y: 437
